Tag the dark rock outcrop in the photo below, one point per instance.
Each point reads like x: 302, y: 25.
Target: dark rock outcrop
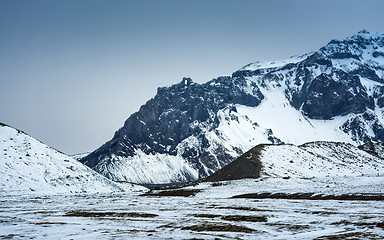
x: 374, y: 148
x: 247, y: 165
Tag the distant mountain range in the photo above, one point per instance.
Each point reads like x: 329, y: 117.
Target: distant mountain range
x: 190, y: 130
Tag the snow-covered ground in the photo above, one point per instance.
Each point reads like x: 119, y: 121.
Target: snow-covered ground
x: 322, y: 185
x: 210, y: 214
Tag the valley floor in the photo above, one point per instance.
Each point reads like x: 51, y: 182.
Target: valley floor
x: 209, y: 213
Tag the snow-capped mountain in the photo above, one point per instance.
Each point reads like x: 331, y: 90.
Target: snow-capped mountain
x: 310, y: 160
x: 29, y: 166
x: 190, y: 130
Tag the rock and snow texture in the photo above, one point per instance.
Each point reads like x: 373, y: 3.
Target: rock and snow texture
x: 333, y: 94
x: 29, y: 166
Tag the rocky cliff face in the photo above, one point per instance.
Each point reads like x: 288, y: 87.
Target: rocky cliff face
x: 191, y: 130
x: 176, y: 122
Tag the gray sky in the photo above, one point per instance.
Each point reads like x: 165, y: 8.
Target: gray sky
x: 72, y: 71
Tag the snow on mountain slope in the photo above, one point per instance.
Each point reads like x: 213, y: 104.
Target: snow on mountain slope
x: 274, y: 64
x: 79, y: 155
x: 154, y: 168
x: 333, y: 94
x: 290, y: 125
x: 29, y: 166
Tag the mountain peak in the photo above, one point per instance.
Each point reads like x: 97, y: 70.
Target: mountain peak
x: 186, y: 81
x: 363, y: 37
x: 363, y: 32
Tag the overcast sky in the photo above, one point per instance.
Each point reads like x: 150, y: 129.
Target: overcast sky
x: 72, y: 71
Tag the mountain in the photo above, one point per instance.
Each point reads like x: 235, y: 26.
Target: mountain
x: 190, y: 130
x: 29, y: 166
x: 314, y: 159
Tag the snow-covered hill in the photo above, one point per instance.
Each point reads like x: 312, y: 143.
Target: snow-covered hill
x: 310, y: 160
x: 319, y: 159
x: 29, y: 166
x: 190, y: 130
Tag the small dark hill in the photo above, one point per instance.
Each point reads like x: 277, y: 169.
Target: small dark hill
x: 375, y: 149
x: 247, y: 165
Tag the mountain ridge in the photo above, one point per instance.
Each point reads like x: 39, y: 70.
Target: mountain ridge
x: 333, y: 94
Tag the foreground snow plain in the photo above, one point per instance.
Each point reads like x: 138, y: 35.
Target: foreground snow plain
x: 210, y: 214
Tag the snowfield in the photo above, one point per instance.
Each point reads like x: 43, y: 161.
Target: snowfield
x: 210, y: 214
